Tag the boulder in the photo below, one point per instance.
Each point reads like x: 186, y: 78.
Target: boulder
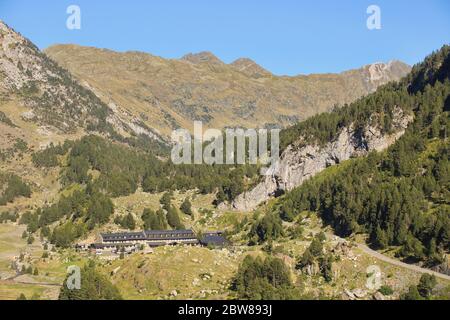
x: 379, y: 296
x: 349, y: 294
x: 360, y: 293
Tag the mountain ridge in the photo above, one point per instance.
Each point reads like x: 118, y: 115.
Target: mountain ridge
x: 200, y: 87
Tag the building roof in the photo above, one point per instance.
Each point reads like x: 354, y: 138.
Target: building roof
x: 149, y: 235
x: 174, y: 232
x: 214, y: 240
x: 170, y: 234
x: 110, y: 245
x: 123, y: 236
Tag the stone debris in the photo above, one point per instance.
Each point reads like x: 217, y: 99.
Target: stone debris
x: 116, y: 270
x: 349, y: 294
x: 355, y: 294
x: 206, y: 277
x: 379, y: 296
x: 196, y: 282
x: 360, y: 293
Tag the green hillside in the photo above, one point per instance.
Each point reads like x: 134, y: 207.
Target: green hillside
x: 399, y: 197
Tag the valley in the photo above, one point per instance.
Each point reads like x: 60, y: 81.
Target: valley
x: 363, y: 181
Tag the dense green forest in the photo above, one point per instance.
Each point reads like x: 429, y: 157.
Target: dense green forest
x: 122, y: 169
x: 76, y: 214
x: 11, y: 187
x: 401, y: 196
x: 376, y: 110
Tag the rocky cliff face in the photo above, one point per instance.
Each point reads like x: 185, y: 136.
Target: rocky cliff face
x: 297, y: 164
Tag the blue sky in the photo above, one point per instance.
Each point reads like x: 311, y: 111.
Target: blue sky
x: 284, y: 36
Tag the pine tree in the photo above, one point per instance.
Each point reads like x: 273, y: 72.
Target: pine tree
x: 129, y: 222
x: 186, y: 207
x: 21, y: 297
x: 173, y: 219
x: 426, y: 285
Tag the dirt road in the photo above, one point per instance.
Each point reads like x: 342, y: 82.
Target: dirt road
x: 412, y: 267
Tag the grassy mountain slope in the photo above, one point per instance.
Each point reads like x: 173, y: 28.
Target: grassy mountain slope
x: 166, y: 94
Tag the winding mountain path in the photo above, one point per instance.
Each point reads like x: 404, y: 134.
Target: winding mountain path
x: 412, y: 267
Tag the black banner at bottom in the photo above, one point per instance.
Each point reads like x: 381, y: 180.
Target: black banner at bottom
x: 223, y: 309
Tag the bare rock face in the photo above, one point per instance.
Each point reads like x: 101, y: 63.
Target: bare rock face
x: 19, y: 61
x: 53, y: 96
x: 379, y: 73
x: 299, y: 164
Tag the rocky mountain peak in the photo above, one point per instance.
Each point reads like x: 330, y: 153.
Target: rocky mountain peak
x: 250, y: 68
x: 202, y: 57
x: 380, y: 72
x: 19, y: 59
x: 52, y: 97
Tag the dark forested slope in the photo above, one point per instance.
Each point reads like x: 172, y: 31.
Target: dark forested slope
x: 399, y: 197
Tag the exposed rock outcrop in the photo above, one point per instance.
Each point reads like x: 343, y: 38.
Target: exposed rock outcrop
x: 377, y: 73
x: 297, y: 164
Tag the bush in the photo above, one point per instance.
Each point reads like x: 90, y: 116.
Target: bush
x: 426, y: 285
x: 268, y: 279
x: 186, y: 207
x: 386, y: 290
